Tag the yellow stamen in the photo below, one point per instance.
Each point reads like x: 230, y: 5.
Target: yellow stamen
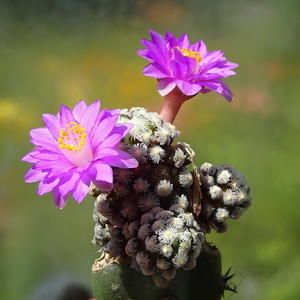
x: 72, y: 137
x: 190, y: 53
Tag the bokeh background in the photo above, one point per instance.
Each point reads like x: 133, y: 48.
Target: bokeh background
x: 56, y: 52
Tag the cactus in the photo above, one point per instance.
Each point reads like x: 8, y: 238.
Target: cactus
x: 151, y: 226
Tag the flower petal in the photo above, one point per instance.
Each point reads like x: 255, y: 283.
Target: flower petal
x: 47, y: 184
x: 122, y: 160
x: 103, y: 130
x: 183, y: 41
x: 53, y: 124
x: 111, y: 141
x: 66, y: 116
x: 59, y: 199
x: 103, y: 152
x: 165, y: 86
x: 82, y: 187
x: 42, y: 137
x: 79, y: 109
x: 34, y: 175
x: 102, y: 175
x: 89, y: 117
x: 178, y: 69
x: 200, y: 47
x: 188, y: 88
x: 155, y: 70
x: 220, y: 87
x: 68, y: 181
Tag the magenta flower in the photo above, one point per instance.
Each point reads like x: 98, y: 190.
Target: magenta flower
x: 174, y: 62
x: 76, y: 148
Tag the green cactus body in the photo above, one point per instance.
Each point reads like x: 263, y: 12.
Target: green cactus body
x: 117, y: 280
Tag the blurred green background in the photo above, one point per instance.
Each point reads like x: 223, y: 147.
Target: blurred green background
x: 59, y: 52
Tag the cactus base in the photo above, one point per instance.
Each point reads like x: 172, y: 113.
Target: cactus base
x: 114, y: 279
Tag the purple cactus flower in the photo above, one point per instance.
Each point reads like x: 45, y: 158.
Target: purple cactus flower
x: 76, y: 148
x: 174, y: 62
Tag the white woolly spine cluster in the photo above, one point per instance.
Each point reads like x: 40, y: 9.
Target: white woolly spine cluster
x: 225, y: 194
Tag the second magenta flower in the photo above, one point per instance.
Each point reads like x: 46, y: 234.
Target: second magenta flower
x: 177, y: 63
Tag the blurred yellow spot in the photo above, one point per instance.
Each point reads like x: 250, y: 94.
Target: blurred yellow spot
x: 8, y: 110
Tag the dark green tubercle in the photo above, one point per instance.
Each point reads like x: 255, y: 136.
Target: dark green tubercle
x: 114, y: 279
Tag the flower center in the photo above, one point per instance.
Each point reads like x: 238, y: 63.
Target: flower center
x: 190, y: 53
x: 74, y: 143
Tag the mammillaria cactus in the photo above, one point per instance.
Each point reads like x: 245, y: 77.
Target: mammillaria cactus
x: 149, y: 221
